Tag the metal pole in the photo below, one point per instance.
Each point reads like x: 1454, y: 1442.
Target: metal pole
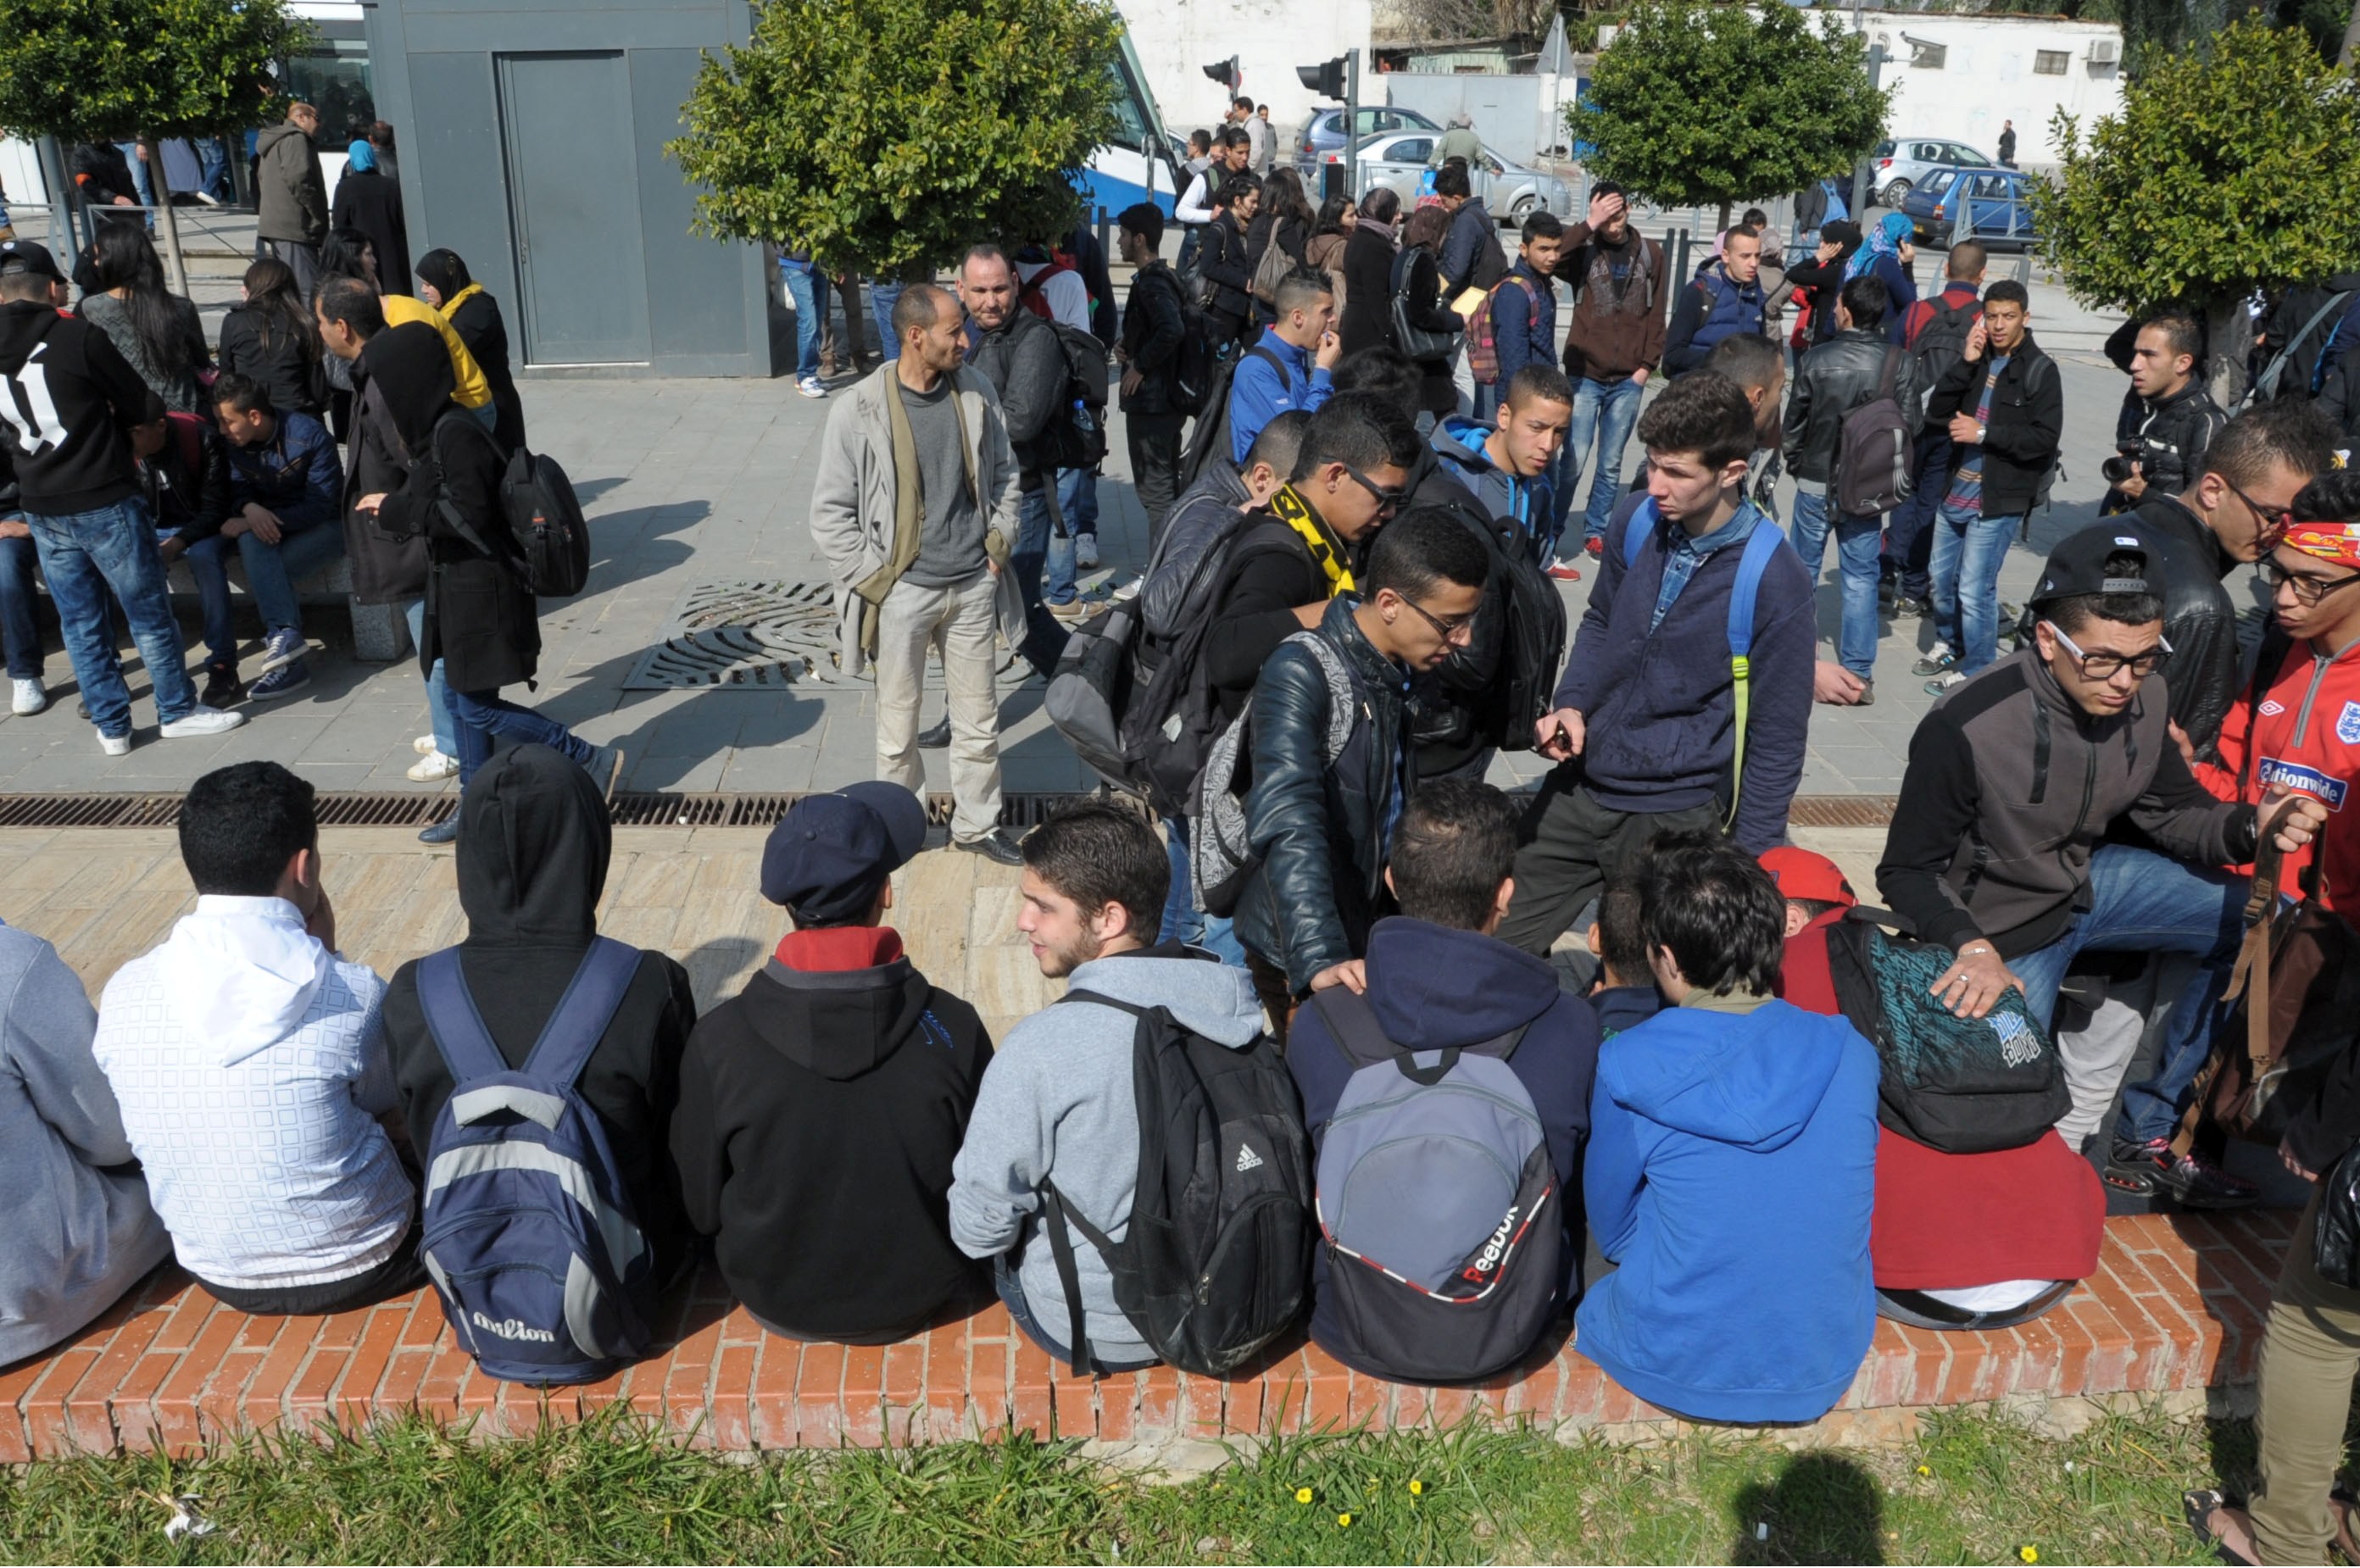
x: 53, y: 175
x: 1680, y: 267
x: 1352, y: 123
x: 162, y: 187
x: 1860, y: 168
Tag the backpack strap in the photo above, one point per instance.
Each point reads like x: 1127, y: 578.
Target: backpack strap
x: 457, y: 1028
x: 1760, y: 545
x: 1637, y: 531
x: 1059, y: 1213
x: 583, y: 1013
x: 578, y: 1022
x: 1890, y: 373
x: 1343, y: 691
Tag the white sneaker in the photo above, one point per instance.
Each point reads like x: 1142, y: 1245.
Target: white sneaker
x: 29, y: 698
x: 1086, y: 550
x: 114, y: 746
x: 434, y: 768
x: 202, y: 721
x: 810, y: 388
x: 424, y: 746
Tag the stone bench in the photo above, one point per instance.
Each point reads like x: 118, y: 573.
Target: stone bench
x: 380, y: 636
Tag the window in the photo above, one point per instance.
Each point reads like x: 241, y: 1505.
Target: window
x: 1928, y: 57
x: 1410, y: 150
x: 1937, y: 183
x: 2051, y: 63
x: 333, y: 76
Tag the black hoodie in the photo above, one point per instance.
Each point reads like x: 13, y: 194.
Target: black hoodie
x: 820, y: 1110
x: 534, y: 844
x: 67, y: 396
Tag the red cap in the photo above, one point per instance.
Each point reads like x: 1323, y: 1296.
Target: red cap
x: 1803, y: 875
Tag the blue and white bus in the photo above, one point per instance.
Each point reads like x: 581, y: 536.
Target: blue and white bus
x: 1141, y: 162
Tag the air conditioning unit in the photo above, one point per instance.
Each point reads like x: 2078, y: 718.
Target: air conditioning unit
x: 2105, y: 51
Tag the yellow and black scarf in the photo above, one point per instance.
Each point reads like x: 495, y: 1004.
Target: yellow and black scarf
x: 1327, y: 549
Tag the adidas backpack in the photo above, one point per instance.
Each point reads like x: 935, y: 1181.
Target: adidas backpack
x: 1214, y: 1256
x: 1435, y: 1199
x: 526, y: 1229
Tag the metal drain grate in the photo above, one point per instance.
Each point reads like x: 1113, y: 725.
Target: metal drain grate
x: 1842, y: 810
x: 743, y: 633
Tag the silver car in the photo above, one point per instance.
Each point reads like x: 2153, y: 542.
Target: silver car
x: 1904, y: 163
x: 1509, y: 192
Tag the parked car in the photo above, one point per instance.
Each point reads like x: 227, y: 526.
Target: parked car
x: 1903, y: 165
x: 1987, y: 204
x: 1324, y: 133
x: 1509, y: 192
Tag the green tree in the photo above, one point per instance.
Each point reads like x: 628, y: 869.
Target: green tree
x: 119, y: 70
x: 1696, y: 104
x: 2224, y: 172
x: 884, y: 136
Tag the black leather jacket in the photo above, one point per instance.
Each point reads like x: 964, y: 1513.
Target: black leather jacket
x: 1320, y: 829
x: 2200, y: 619
x: 2169, y: 439
x: 2027, y: 424
x: 1835, y: 378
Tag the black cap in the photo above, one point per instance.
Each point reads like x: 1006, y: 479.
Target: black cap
x: 2077, y: 566
x: 830, y: 855
x: 24, y: 255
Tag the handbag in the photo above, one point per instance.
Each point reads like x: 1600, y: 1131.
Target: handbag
x: 1418, y: 343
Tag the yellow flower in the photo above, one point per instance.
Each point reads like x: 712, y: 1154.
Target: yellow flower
x: 1302, y: 1494
x: 1344, y: 1521
x: 1417, y: 1488
x: 2028, y: 1553
x: 1925, y: 1470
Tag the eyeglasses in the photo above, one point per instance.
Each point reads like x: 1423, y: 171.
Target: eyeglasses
x: 1388, y: 501
x: 2307, y: 590
x: 1448, y: 627
x: 2107, y: 666
x: 2274, y: 519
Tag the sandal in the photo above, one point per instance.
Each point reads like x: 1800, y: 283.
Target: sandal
x: 2198, y: 1507
x: 2345, y: 1506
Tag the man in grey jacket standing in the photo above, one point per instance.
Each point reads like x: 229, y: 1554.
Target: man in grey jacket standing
x: 916, y: 508
x: 292, y: 195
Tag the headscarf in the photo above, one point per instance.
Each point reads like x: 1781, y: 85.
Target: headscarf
x: 411, y: 371
x: 1883, y: 240
x: 445, y: 271
x: 2334, y: 541
x: 360, y: 158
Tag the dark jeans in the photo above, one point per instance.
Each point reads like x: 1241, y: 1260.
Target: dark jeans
x: 1909, y: 531
x: 19, y: 627
x: 1155, y: 462
x: 207, y: 562
x: 403, y: 1272
x: 1012, y: 1296
x: 113, y: 549
x: 480, y: 715
x: 1572, y: 846
x: 1042, y: 540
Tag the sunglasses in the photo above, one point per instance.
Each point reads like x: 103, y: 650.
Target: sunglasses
x: 1388, y: 500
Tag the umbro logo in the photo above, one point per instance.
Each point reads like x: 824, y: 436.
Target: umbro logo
x: 1247, y: 1158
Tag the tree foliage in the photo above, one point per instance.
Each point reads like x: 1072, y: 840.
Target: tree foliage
x: 2221, y: 174
x: 112, y: 69
x: 1695, y: 105
x: 881, y: 135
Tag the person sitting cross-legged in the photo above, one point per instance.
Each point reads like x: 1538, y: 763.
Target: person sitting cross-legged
x: 286, y: 488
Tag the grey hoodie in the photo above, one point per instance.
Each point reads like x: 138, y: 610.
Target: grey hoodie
x: 82, y: 1233
x: 1056, y: 1104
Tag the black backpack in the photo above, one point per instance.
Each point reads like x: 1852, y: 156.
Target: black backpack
x: 1209, y: 438
x: 1532, y: 638
x: 1942, y: 340
x: 1197, y: 363
x: 1079, y: 438
x: 1877, y: 454
x: 547, y: 547
x: 1959, y: 1086
x: 1215, y: 1261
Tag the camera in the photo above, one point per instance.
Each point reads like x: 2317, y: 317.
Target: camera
x: 2117, y: 469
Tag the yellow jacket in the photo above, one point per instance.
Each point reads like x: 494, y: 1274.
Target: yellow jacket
x: 474, y: 391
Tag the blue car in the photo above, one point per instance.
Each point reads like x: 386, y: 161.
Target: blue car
x: 1993, y: 205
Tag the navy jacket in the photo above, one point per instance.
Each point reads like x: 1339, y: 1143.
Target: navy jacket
x: 296, y: 474
x: 1659, y: 707
x: 1710, y: 309
x: 1431, y: 987
x: 1523, y: 326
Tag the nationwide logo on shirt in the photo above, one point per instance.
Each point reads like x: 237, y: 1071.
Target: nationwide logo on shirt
x: 2274, y: 774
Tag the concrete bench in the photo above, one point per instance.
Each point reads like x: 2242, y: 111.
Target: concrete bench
x: 380, y: 636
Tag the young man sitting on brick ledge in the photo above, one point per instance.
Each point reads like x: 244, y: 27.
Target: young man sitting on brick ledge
x: 250, y: 1063
x: 819, y: 1107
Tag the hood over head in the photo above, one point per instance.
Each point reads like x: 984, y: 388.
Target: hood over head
x: 1750, y: 1079
x: 1431, y: 986
x: 411, y: 370
x: 1214, y: 999
x: 534, y: 842
x: 241, y: 972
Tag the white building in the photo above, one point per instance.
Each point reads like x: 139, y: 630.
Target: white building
x: 1177, y: 38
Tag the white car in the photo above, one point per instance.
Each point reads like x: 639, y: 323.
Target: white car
x: 1509, y: 192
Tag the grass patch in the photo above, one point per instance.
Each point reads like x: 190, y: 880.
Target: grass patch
x: 1972, y: 1488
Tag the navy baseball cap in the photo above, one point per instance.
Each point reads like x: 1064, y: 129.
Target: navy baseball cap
x: 830, y: 855
x: 24, y: 255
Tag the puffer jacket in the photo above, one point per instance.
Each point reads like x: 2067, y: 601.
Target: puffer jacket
x: 1322, y: 831
x: 290, y: 193
x: 1026, y: 367
x: 2200, y: 620
x: 1835, y: 378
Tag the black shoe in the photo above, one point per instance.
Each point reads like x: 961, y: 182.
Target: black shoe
x: 222, y: 687
x: 2152, y: 1167
x: 934, y: 737
x: 1913, y: 610
x: 994, y: 846
x: 444, y: 832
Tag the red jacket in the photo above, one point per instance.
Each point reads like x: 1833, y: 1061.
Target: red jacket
x: 1945, y: 1221
x: 2297, y: 728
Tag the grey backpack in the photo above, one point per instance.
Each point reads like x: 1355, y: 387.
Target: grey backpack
x: 1876, y: 451
x: 1221, y: 855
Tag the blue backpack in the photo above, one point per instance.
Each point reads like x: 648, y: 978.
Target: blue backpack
x: 527, y: 1231
x: 1761, y: 546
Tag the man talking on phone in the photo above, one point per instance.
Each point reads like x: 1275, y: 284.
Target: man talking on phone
x: 1650, y: 729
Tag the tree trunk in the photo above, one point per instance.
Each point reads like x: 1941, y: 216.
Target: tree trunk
x: 174, y: 264
x: 2229, y: 341
x: 1725, y: 206
x: 2351, y: 55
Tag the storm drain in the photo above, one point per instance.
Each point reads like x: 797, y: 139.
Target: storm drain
x: 748, y: 634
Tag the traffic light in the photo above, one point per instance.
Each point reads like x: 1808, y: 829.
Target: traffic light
x: 1226, y: 72
x: 1326, y: 79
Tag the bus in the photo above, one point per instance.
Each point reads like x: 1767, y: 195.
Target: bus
x: 1141, y: 162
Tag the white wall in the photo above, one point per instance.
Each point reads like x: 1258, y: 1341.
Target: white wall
x: 1176, y: 39
x: 20, y: 173
x: 1987, y: 78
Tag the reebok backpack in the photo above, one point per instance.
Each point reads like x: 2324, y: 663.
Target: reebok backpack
x: 1090, y: 690
x: 1959, y: 1086
x: 1221, y: 855
x: 1437, y: 1204
x: 526, y: 1228
x: 1876, y: 451
x: 1215, y: 1256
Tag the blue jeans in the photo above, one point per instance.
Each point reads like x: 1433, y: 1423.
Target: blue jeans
x: 208, y: 563
x: 2143, y: 902
x: 1909, y: 534
x: 1183, y: 921
x: 19, y: 629
x: 438, y: 694
x: 85, y: 556
x: 1858, y: 543
x: 483, y: 715
x: 213, y: 167
x: 1603, y: 411
x: 1967, y: 552
x: 1012, y: 1296
x: 807, y: 287
x: 1038, y: 544
x: 1083, y: 514
x: 882, y: 297
x: 140, y: 180
x: 271, y: 570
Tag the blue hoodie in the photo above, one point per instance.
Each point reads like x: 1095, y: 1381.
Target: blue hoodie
x: 1457, y: 442
x: 1431, y: 986
x: 1731, y: 1173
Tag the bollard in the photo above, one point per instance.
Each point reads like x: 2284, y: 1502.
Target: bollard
x: 1680, y: 267
x: 1104, y: 248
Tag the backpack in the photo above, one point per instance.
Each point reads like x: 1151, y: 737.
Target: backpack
x: 1078, y: 440
x: 526, y: 1228
x: 1418, y: 342
x: 1761, y: 546
x: 1090, y: 690
x: 1941, y: 343
x: 548, y: 545
x: 1437, y: 1203
x: 1959, y: 1086
x: 1877, y: 454
x: 1221, y: 855
x: 1209, y: 438
x: 1531, y: 636
x: 1173, y: 719
x: 1482, y: 343
x: 1215, y: 1256
x: 1196, y: 362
